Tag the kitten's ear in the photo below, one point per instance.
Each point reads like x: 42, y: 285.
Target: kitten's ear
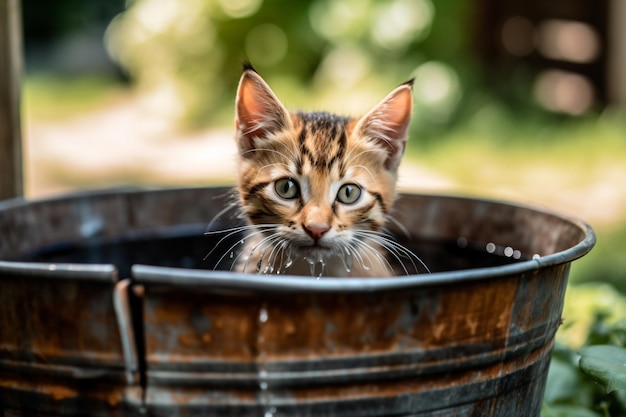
x: 388, y: 122
x: 258, y: 112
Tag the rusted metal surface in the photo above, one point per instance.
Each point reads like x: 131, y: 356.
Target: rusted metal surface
x: 184, y: 341
x: 433, y: 349
x: 59, y: 341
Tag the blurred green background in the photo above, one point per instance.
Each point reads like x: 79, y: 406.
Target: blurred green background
x: 509, y: 102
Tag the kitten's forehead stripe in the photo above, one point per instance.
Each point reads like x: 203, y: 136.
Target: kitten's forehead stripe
x: 322, y: 140
x: 322, y: 121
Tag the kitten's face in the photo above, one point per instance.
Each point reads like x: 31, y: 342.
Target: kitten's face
x: 319, y: 180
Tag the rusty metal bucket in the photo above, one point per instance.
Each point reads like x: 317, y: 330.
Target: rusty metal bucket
x: 107, y: 308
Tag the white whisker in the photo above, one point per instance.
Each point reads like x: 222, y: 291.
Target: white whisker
x: 379, y: 257
x: 230, y: 206
x: 268, y: 150
x: 260, y: 244
x: 276, y: 251
x: 368, y: 171
x: 399, y: 225
x: 232, y: 247
x: 349, y: 157
x: 233, y: 231
x: 393, y: 247
x: 291, y: 152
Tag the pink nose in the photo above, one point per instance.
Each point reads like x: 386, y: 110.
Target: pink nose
x: 316, y: 230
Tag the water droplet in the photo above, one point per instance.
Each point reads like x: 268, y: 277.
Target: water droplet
x: 517, y: 254
x: 263, y: 316
x: 268, y: 269
x: 263, y: 385
x: 268, y: 414
x: 491, y: 247
x: 508, y: 251
x: 311, y: 263
x: 259, y: 264
x: 347, y: 260
x: 536, y: 256
x: 322, y: 267
x: 231, y: 255
x: 461, y: 242
x: 288, y: 262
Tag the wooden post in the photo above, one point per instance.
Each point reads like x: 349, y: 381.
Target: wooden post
x: 11, y: 183
x: 617, y: 53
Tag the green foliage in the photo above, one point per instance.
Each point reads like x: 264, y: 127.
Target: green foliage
x: 343, y: 55
x: 592, y: 314
x: 608, y: 263
x: 605, y: 364
x: 571, y: 392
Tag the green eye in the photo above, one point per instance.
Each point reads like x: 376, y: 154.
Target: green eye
x: 349, y: 193
x: 287, y: 188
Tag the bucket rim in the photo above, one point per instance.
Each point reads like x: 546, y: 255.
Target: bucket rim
x: 227, y: 280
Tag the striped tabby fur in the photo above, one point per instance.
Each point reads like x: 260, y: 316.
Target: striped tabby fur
x: 317, y: 188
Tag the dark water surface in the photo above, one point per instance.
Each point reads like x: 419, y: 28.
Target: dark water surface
x: 190, y: 250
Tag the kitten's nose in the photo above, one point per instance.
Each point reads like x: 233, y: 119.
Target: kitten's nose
x: 316, y: 230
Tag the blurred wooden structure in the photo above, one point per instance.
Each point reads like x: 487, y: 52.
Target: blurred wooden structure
x: 571, y: 51
x: 11, y: 184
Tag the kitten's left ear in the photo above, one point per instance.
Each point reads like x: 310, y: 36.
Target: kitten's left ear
x: 388, y: 122
x: 258, y: 111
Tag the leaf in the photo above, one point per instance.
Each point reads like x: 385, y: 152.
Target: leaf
x: 605, y: 364
x: 563, y: 382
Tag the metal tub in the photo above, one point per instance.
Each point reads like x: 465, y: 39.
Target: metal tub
x: 107, y: 308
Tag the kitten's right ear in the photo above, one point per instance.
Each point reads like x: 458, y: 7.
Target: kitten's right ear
x: 258, y: 112
x: 387, y: 124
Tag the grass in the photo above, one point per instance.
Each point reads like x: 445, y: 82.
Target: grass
x: 47, y: 97
x: 575, y: 154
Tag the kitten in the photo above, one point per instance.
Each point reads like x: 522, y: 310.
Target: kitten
x: 317, y: 188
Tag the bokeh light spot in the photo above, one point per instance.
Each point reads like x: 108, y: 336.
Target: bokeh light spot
x: 345, y: 65
x: 400, y: 22
x: 568, y: 40
x: 240, y: 8
x: 564, y: 91
x: 437, y: 86
x: 338, y: 20
x: 266, y: 44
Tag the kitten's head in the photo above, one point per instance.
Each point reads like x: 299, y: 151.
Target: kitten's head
x: 317, y: 178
